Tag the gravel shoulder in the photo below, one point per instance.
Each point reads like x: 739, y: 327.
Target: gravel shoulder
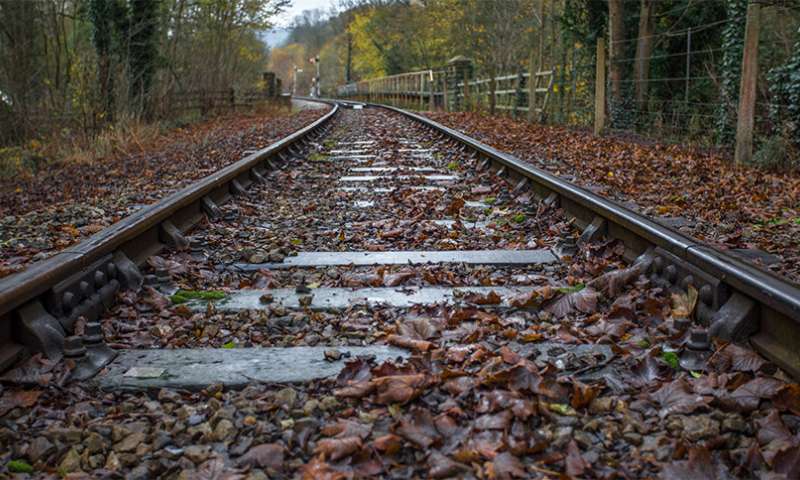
x: 41, y: 215
x: 751, y: 213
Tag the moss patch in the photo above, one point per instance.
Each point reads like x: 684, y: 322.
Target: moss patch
x: 183, y: 296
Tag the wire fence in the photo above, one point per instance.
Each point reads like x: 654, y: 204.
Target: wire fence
x: 673, y: 94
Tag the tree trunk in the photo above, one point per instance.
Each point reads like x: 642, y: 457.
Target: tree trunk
x: 644, y: 47
x: 348, y: 67
x: 617, y: 31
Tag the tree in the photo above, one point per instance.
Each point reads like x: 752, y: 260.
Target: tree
x: 616, y: 45
x: 143, y: 52
x: 644, y: 48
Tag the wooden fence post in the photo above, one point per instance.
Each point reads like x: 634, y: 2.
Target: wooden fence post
x: 445, y: 100
x: 467, y: 106
x: 600, y: 87
x: 532, y: 68
x: 518, y: 93
x: 492, y: 94
x: 747, y: 87
x: 421, y: 91
x: 432, y: 92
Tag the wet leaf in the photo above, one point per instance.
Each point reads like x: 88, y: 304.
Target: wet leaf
x: 677, y: 397
x: 584, y: 301
x: 418, y: 427
x: 506, y: 466
x: 267, y: 455
x: 336, y: 448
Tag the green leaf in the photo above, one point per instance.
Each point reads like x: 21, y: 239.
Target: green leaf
x: 696, y: 374
x: 489, y: 200
x: 519, y: 218
x: 671, y: 359
x: 573, y: 289
x: 229, y: 345
x: 19, y: 466
x: 561, y: 409
x: 183, y: 296
x: 296, y: 241
x: 452, y: 165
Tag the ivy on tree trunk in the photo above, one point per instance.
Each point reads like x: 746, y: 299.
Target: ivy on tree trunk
x: 731, y: 70
x: 143, y: 53
x: 784, y: 86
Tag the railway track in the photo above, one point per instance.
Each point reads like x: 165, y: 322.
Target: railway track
x: 379, y: 295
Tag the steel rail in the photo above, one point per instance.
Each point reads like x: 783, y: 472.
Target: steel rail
x: 759, y: 284
x: 139, y: 232
x: 770, y: 322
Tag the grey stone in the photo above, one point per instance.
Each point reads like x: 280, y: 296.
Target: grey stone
x: 195, y: 369
x: 129, y: 443
x: 328, y: 403
x: 734, y: 423
x: 71, y: 461
x: 342, y: 298
x: 286, y: 397
x: 197, y: 453
x: 698, y: 427
x: 633, y: 438
x: 224, y: 430
x: 756, y: 255
x: 472, y: 257
x: 40, y: 448
x: 675, y: 222
x: 95, y: 443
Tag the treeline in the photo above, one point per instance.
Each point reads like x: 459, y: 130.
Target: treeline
x: 673, y: 65
x: 82, y: 64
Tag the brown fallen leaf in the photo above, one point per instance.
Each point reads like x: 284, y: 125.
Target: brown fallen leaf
x: 584, y: 300
x: 395, y: 279
x: 336, y: 448
x: 441, y: 466
x: 410, y: 343
x: 388, y: 444
x: 417, y: 427
x: 574, y: 462
x: 683, y: 304
x: 747, y: 397
x: 491, y: 298
x: 266, y: 455
x: 677, y: 397
x: 19, y: 398
x: 506, y: 466
x: 612, y: 283
x: 355, y: 280
x: 526, y: 300
x: 788, y: 398
x: 399, y: 388
x: 455, y: 207
x: 699, y: 466
x: 344, y: 428
x: 739, y: 359
x: 319, y: 469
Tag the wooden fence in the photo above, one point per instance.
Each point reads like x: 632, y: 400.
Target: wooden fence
x: 572, y: 90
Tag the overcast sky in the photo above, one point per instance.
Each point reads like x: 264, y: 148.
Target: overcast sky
x: 298, y: 6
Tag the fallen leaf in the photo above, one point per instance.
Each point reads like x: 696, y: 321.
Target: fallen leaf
x: 336, y: 448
